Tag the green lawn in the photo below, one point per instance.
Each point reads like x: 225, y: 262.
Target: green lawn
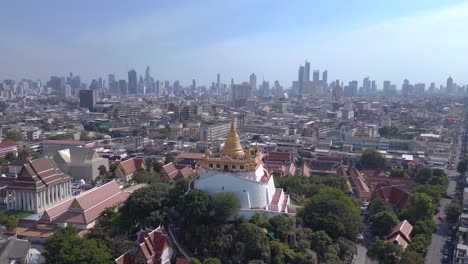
x: 18, y: 214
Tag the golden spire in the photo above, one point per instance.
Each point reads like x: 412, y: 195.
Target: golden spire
x: 233, y: 147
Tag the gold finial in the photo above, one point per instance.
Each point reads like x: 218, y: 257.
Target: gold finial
x: 233, y: 147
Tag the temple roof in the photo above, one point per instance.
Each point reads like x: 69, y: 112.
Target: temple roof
x: 233, y: 147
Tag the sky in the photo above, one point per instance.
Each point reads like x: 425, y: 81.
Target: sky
x: 421, y: 40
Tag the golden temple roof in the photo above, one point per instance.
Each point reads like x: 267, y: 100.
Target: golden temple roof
x: 233, y: 147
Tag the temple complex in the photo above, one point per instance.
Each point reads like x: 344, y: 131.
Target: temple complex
x: 240, y: 171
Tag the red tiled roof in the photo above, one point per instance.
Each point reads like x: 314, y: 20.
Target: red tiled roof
x: 7, y: 144
x: 170, y: 171
x: 86, y: 207
x: 39, y: 174
x: 395, y: 195
x: 126, y: 258
x: 400, y: 234
x: 129, y: 166
x: 151, y: 245
x: 279, y: 156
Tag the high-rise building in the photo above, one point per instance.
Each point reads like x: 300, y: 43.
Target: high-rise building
x: 194, y: 85
x: 253, y: 82
x: 432, y: 88
x: 240, y: 94
x: 147, y: 75
x: 300, y: 79
x: 132, y: 82
x: 218, y: 83
x: 316, y: 77
x: 366, y: 86
x: 307, y: 71
x: 325, y: 78
x: 406, y: 88
x: 88, y: 98
x: 373, y: 87
x: 123, y: 87
x: 386, y: 87
x: 449, y: 86
x: 419, y: 88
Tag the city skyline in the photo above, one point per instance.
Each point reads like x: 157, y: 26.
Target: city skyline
x: 419, y: 41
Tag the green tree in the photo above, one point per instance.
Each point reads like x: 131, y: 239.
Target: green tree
x: 194, y: 206
x: 2, y: 160
x: 169, y: 158
x: 102, y: 170
x: 378, y: 205
x: 24, y: 153
x: 157, y: 166
x: 453, y: 211
x: 434, y: 191
x: 383, y: 222
x: 10, y: 156
x: 423, y: 175
x: 8, y: 221
x: 11, y: 135
x: 255, y: 241
x: 397, y: 173
x: 332, y: 211
x: 283, y: 226
x: 225, y: 205
x: 321, y: 243
x: 384, y: 253
x: 145, y: 201
x: 211, y: 261
x: 372, y: 159
x: 411, y: 257
x: 66, y: 247
x: 84, y: 136
x: 256, y: 261
x: 420, y: 244
x: 195, y: 261
x: 420, y: 207
x: 425, y: 227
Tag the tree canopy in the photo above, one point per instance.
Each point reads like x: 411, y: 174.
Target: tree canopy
x: 149, y: 204
x: 334, y: 212
x: 225, y: 205
x: 384, y: 253
x: 383, y: 222
x: 420, y: 207
x: 372, y: 159
x: 453, y: 211
x: 66, y: 247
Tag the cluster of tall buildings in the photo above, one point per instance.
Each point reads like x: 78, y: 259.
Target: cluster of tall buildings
x: 305, y: 86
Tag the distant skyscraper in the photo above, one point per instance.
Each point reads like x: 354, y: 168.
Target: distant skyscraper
x: 316, y: 77
x: 449, y: 86
x: 218, y: 83
x: 240, y: 94
x: 253, y: 82
x: 307, y: 71
x: 373, y: 87
x: 88, y: 98
x: 194, y: 85
x: 123, y: 87
x: 366, y: 86
x: 132, y: 82
x: 300, y: 79
x: 147, y: 75
x: 432, y: 88
x: 325, y: 78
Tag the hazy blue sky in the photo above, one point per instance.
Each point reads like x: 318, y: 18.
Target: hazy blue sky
x: 422, y: 40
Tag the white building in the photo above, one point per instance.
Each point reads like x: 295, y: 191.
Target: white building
x: 241, y: 172
x: 40, y: 184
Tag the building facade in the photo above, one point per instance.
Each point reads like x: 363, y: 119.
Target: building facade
x: 39, y: 185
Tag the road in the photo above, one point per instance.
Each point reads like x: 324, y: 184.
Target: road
x: 439, y: 238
